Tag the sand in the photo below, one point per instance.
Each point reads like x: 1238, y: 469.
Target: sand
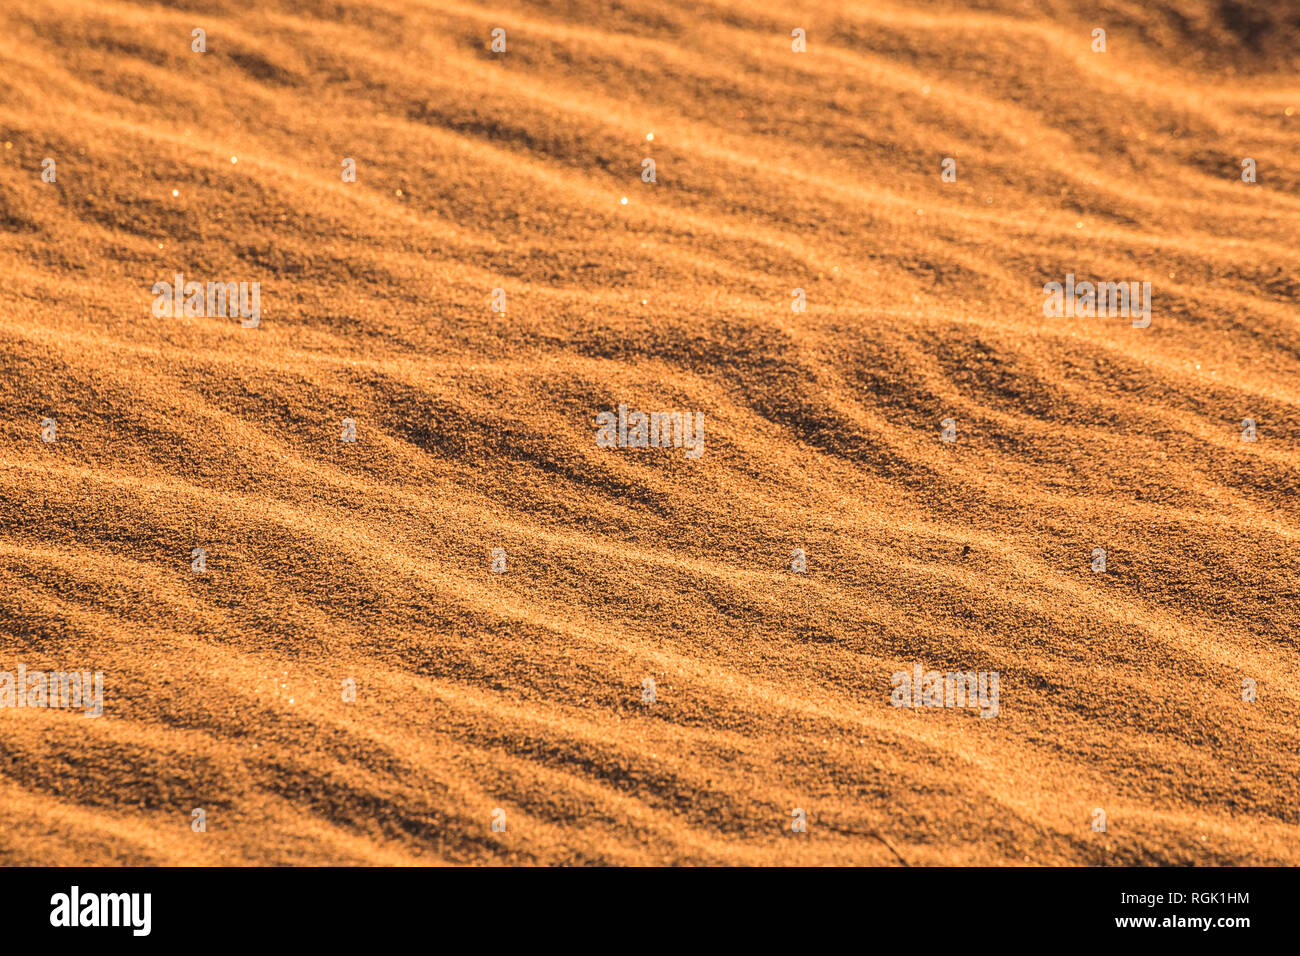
x: 517, y: 696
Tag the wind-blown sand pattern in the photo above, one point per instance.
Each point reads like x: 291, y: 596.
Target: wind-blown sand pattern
x: 522, y: 691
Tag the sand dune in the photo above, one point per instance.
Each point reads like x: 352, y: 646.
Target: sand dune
x: 331, y: 561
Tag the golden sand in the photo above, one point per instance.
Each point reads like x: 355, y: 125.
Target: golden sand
x: 330, y: 562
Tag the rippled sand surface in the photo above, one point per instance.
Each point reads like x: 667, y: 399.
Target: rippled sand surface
x: 331, y: 563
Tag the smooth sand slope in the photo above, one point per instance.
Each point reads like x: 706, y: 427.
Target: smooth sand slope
x: 330, y: 561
